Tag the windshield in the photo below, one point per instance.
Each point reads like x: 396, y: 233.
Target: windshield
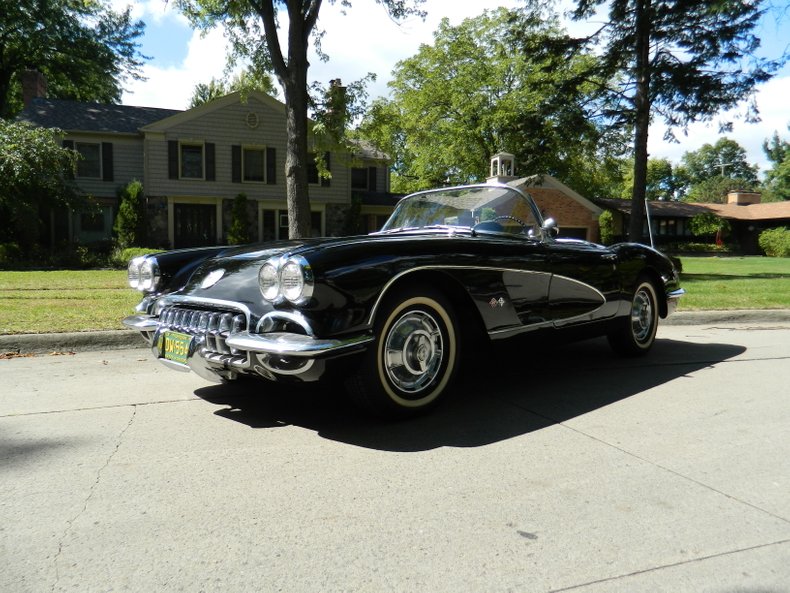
x: 482, y: 208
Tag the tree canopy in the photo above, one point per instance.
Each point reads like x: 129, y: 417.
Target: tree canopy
x: 777, y: 178
x: 486, y: 86
x: 680, y: 61
x: 252, y: 27
x: 247, y: 80
x: 85, y: 49
x: 34, y: 171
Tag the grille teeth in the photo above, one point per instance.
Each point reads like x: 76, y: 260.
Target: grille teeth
x: 213, y: 326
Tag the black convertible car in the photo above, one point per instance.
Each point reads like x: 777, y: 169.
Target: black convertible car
x: 395, y: 307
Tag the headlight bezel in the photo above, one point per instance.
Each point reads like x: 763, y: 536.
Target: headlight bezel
x: 286, y: 278
x: 143, y: 274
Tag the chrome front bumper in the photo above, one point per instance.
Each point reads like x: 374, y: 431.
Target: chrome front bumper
x: 272, y: 355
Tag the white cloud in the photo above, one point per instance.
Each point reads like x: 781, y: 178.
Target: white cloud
x: 774, y: 117
x: 157, y: 12
x: 172, y: 87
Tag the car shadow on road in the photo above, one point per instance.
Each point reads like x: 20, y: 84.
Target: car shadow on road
x: 504, y: 391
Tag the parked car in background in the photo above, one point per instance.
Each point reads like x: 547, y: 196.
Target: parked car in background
x: 395, y: 308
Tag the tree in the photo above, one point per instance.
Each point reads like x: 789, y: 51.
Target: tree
x: 777, y: 178
x: 34, y: 171
x: 681, y: 61
x: 710, y: 173
x: 485, y: 86
x: 245, y: 81
x: 85, y: 49
x: 660, y: 182
x: 252, y: 26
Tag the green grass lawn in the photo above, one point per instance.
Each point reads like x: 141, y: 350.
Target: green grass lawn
x: 64, y: 301
x: 715, y: 283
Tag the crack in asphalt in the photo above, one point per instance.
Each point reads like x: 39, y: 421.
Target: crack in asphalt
x: 91, y: 491
x: 671, y: 565
x: 106, y: 407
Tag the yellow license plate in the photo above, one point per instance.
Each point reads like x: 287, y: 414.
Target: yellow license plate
x: 176, y: 346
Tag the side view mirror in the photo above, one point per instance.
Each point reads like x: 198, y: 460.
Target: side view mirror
x: 550, y: 228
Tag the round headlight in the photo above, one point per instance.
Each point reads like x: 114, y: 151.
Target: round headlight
x: 133, y: 271
x: 292, y: 281
x: 268, y: 280
x: 149, y: 275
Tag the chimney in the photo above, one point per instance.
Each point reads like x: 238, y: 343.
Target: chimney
x: 743, y: 198
x: 34, y: 84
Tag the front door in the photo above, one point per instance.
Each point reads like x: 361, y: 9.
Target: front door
x: 195, y: 225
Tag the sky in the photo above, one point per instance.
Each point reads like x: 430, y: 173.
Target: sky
x: 365, y: 39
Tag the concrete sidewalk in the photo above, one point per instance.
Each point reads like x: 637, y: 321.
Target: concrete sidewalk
x: 123, y: 339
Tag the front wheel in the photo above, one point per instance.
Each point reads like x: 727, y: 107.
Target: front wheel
x: 414, y: 357
x: 636, y: 333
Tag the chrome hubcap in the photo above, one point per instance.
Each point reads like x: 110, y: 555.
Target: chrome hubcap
x: 642, y: 316
x: 413, y: 351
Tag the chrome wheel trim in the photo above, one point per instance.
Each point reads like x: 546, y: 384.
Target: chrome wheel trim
x: 413, y: 352
x: 643, y: 316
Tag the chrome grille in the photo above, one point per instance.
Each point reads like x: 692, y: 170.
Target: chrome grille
x: 214, y: 326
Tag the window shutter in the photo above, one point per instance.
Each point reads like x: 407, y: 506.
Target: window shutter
x: 235, y: 166
x: 324, y: 181
x: 210, y: 162
x: 172, y: 159
x: 107, y: 162
x: 271, y: 165
x: 372, y: 178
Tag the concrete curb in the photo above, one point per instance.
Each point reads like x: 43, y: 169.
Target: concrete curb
x: 71, y: 342
x: 126, y: 339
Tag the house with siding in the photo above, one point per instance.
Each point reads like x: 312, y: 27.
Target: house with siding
x: 192, y: 165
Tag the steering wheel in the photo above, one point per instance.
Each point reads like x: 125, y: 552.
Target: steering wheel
x: 523, y: 224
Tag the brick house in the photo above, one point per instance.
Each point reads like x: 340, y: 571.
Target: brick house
x: 576, y: 216
x: 192, y: 165
x: 669, y: 221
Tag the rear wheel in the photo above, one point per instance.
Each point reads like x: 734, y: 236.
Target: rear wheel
x: 414, y: 357
x: 636, y: 333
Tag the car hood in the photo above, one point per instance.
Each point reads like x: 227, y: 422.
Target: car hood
x: 233, y: 275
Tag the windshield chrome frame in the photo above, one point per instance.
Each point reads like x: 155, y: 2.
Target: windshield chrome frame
x: 525, y: 195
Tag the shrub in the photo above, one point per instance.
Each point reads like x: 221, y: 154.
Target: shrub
x: 10, y: 254
x: 239, y: 232
x: 129, y: 224
x: 120, y: 258
x: 606, y: 226
x: 775, y: 242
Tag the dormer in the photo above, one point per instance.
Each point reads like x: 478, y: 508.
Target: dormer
x: 503, y: 168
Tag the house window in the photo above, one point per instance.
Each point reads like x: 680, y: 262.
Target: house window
x: 312, y: 169
x: 191, y: 161
x: 254, y: 164
x: 92, y: 222
x: 89, y: 165
x: 359, y: 178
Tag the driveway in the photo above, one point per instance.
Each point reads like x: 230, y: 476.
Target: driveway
x: 554, y: 468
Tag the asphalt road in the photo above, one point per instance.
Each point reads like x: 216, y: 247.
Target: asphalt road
x: 554, y: 468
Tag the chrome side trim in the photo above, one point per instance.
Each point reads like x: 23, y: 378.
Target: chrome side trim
x: 288, y: 344
x: 396, y: 277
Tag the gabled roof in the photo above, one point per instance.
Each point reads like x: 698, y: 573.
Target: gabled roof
x: 545, y: 184
x: 181, y: 117
x: 79, y: 116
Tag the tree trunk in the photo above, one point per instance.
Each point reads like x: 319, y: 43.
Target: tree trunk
x: 296, y: 188
x: 641, y: 119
